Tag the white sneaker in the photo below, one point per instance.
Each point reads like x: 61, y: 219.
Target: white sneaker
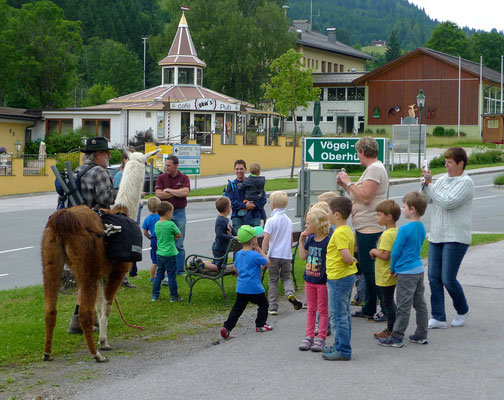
x: 435, y: 324
x: 273, y: 312
x: 459, y: 320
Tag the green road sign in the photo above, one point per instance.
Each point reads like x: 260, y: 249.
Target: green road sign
x: 190, y: 170
x: 337, y: 150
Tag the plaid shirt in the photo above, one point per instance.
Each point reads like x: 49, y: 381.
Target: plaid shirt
x: 96, y: 186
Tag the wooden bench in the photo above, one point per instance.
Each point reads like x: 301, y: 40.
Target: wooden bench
x: 194, y: 274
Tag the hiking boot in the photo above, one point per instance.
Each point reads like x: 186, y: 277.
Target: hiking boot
x: 390, y: 341
x: 416, y: 339
x: 383, y: 334
x: 435, y: 324
x: 74, y: 326
x: 224, y: 333
x: 264, y: 328
x: 335, y: 356
x: 295, y: 302
x: 318, y: 345
x: 306, y: 344
x: 459, y: 320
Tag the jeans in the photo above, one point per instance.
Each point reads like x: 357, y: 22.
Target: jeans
x: 167, y: 264
x: 444, y: 263
x: 316, y: 297
x: 179, y: 218
x: 339, y: 293
x: 410, y: 291
x: 366, y: 242
x: 387, y: 293
x: 239, y: 306
x: 239, y: 221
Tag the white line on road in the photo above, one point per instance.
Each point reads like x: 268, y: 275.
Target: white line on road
x: 3, y: 275
x: 11, y: 250
x: 488, y: 197
x: 201, y: 220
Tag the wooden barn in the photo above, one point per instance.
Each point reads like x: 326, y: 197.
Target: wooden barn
x: 392, y: 89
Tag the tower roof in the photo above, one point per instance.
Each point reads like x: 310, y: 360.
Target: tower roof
x: 182, y: 50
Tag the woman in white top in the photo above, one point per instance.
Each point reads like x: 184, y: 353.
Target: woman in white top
x: 366, y: 194
x: 450, y: 235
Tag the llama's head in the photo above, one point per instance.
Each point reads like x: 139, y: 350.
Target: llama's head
x: 140, y: 157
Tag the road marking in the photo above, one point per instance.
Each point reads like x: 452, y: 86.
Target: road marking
x: 482, y: 186
x: 488, y: 197
x: 202, y: 220
x: 3, y: 275
x: 11, y: 250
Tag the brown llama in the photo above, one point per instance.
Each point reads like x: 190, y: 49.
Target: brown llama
x: 75, y: 236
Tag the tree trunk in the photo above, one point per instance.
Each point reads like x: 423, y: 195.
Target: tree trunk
x: 294, y: 142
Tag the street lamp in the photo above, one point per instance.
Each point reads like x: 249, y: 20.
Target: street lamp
x: 420, y: 99
x: 17, y: 145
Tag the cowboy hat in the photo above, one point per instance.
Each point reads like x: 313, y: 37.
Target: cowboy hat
x: 96, y: 144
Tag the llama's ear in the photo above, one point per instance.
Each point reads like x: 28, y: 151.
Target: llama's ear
x: 127, y: 152
x: 152, y: 153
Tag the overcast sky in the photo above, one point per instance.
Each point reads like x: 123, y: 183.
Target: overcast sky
x: 481, y: 14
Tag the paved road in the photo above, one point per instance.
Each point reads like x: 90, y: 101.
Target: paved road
x: 20, y: 263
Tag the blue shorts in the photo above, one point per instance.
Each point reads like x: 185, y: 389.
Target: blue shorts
x: 153, y: 249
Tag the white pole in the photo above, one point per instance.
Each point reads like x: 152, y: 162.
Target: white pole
x: 480, y: 102
x: 458, y: 119
x: 145, y: 42
x: 501, y: 99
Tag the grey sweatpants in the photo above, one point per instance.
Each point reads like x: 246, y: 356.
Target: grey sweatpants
x: 410, y: 291
x: 279, y: 268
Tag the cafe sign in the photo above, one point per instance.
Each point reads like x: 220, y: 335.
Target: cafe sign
x: 204, y: 105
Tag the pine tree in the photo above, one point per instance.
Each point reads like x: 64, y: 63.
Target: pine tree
x: 393, y: 48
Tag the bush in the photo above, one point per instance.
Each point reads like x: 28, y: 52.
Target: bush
x: 368, y: 131
x: 348, y: 167
x: 450, y: 132
x: 487, y: 157
x: 141, y: 137
x: 437, y: 162
x: 438, y: 131
x: 499, y: 180
x: 404, y: 166
x: 116, y: 158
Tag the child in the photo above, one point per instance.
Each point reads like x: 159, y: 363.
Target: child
x: 327, y: 197
x: 277, y: 243
x: 223, y: 234
x: 406, y: 263
x: 313, y: 248
x: 166, y: 233
x: 148, y: 231
x: 248, y: 264
x: 253, y: 188
x: 387, y: 213
x: 341, y: 269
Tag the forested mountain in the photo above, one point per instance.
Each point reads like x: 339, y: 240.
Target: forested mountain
x: 361, y: 21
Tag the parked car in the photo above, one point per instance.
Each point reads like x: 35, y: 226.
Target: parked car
x: 114, y: 169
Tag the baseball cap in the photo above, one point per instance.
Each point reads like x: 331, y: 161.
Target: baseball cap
x: 247, y: 232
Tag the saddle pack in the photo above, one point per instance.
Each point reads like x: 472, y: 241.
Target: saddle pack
x: 123, y: 238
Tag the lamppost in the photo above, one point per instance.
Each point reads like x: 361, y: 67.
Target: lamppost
x: 17, y: 145
x: 420, y: 103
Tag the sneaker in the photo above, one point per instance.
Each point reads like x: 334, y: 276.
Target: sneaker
x: 435, y: 324
x: 295, y: 302
x: 128, y: 284
x: 459, y: 320
x: 334, y: 356
x: 306, y: 344
x: 329, y: 349
x: 176, y: 299
x: 379, y: 317
x: 155, y: 298
x: 165, y: 282
x: 390, y: 341
x: 354, y: 302
x: 416, y: 339
x: 383, y: 334
x: 360, y: 314
x: 264, y: 328
x: 224, y: 333
x: 273, y: 312
x: 318, y: 345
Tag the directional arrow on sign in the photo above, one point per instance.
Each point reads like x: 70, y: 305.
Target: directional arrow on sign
x: 311, y: 151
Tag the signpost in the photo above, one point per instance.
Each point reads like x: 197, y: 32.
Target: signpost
x: 337, y: 150
x: 189, y: 156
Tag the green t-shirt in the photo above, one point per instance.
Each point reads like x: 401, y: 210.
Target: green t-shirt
x: 166, y: 232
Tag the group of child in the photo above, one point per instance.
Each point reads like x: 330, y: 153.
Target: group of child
x: 327, y: 244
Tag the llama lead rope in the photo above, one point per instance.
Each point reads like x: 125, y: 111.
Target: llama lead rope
x: 122, y: 317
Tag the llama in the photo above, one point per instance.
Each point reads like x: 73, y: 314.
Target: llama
x: 75, y: 236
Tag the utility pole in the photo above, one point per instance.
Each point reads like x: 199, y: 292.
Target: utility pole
x: 145, y: 43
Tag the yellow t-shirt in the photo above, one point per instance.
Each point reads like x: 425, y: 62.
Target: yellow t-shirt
x: 382, y: 267
x: 336, y: 268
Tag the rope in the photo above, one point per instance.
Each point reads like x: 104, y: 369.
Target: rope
x: 122, y: 317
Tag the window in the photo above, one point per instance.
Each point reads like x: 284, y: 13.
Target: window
x: 59, y: 125
x: 361, y: 93
x: 168, y: 76
x: 186, y: 76
x: 331, y: 94
x: 185, y: 124
x: 309, y: 118
x: 312, y: 63
x: 148, y: 114
x: 98, y: 127
x: 340, y: 94
x: 219, y: 123
x: 202, y: 129
x: 299, y: 118
x: 329, y: 67
x: 289, y: 118
x: 341, y: 68
x: 321, y: 118
x: 229, y: 129
x: 316, y: 64
x: 323, y: 66
x: 304, y: 61
x: 492, y: 123
x: 352, y: 93
x: 199, y: 74
x: 321, y: 94
x: 330, y: 118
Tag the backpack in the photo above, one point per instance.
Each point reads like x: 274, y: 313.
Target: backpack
x: 123, y: 238
x: 69, y: 194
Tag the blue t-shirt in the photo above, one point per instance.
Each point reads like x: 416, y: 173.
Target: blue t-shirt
x: 405, y: 258
x: 315, y: 270
x: 248, y: 263
x: 222, y: 237
x: 149, y: 224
